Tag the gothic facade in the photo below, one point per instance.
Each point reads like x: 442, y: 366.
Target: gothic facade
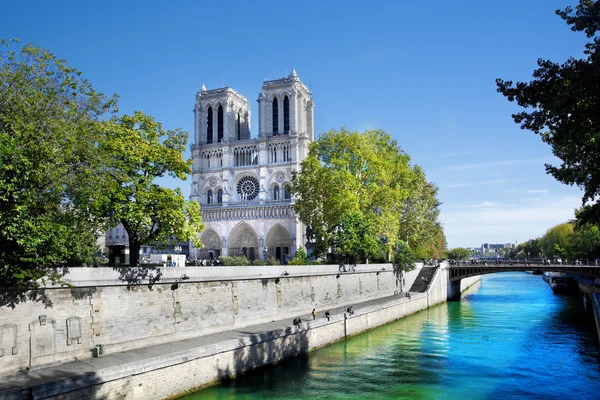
x: 243, y: 184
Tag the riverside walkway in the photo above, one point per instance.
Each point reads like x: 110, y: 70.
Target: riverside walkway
x: 64, y: 378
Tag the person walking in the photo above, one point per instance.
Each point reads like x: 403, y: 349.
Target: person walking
x: 327, y: 315
x: 314, y: 313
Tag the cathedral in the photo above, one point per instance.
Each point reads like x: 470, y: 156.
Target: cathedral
x: 243, y: 183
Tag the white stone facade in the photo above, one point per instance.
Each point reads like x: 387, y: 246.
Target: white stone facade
x: 243, y: 183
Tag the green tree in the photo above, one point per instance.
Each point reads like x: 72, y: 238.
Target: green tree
x: 531, y: 248
x: 404, y: 257
x: 458, y: 253
x: 419, y: 225
x: 556, y: 240
x: 584, y: 243
x: 356, y: 236
x: 50, y: 121
x: 352, y: 190
x: 300, y: 258
x: 433, y: 245
x: 138, y: 150
x: 562, y: 104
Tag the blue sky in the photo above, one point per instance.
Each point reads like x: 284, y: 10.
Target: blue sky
x: 422, y: 71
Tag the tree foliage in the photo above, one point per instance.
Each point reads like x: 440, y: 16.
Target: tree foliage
x: 458, y: 253
x: 529, y: 249
x: 562, y: 104
x: 404, y: 257
x: 556, y: 240
x: 584, y: 244
x: 138, y: 150
x: 357, y: 193
x: 69, y: 168
x: 50, y: 121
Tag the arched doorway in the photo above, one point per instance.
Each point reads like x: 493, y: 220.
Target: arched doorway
x: 243, y: 241
x: 212, y: 245
x: 279, y: 243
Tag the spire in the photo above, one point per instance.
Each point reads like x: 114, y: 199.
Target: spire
x: 203, y: 90
x: 293, y: 74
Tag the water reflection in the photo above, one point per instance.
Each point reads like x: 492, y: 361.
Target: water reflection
x: 509, y: 338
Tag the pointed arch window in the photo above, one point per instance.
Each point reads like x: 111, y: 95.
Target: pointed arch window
x: 275, y: 116
x: 286, y: 115
x: 209, y: 126
x: 275, y: 192
x: 209, y: 197
x: 239, y: 130
x: 220, y: 124
x: 287, y: 192
x: 220, y: 196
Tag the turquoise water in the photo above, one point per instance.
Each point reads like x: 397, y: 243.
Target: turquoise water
x: 509, y: 337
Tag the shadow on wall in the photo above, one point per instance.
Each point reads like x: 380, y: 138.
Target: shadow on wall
x: 10, y: 297
x: 135, y: 275
x: 262, y: 350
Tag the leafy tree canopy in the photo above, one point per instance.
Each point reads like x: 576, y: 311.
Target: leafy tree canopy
x: 404, y: 257
x: 584, y: 244
x: 50, y: 121
x: 356, y: 191
x: 561, y: 105
x: 555, y: 242
x: 138, y: 150
x: 458, y: 253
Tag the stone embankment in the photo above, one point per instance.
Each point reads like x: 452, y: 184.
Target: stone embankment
x: 164, y: 337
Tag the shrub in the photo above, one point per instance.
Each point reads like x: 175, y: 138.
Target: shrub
x: 234, y: 260
x: 270, y: 260
x: 300, y: 258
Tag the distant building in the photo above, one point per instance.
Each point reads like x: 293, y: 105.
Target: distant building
x: 487, y: 249
x: 117, y: 244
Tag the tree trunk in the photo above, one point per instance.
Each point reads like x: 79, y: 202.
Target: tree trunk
x: 134, y: 252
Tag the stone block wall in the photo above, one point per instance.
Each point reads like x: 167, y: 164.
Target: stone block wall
x: 123, y: 315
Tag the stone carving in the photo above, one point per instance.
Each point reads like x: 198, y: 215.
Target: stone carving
x: 243, y: 236
x: 278, y: 237
x: 8, y: 340
x: 280, y: 178
x: 211, y: 240
x: 270, y: 170
x: 74, y: 331
x: 213, y: 182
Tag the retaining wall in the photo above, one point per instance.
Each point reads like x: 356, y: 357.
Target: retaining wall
x: 596, y: 309
x: 178, y: 372
x: 122, y: 310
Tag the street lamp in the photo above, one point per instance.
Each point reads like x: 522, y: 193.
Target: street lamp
x: 175, y: 285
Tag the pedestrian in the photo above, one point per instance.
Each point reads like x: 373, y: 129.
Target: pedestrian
x: 314, y: 313
x: 327, y: 315
x: 350, y: 310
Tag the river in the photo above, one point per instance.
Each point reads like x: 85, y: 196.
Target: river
x: 509, y: 337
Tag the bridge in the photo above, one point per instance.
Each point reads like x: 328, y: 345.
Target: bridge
x: 467, y: 269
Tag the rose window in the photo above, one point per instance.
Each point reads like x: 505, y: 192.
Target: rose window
x: 247, y: 188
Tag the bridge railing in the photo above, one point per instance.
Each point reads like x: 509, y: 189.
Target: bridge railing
x: 534, y: 262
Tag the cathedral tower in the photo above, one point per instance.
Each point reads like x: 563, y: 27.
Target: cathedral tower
x: 242, y: 183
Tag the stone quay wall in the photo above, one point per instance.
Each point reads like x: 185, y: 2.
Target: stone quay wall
x: 596, y: 309
x: 127, y: 308
x: 175, y: 373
